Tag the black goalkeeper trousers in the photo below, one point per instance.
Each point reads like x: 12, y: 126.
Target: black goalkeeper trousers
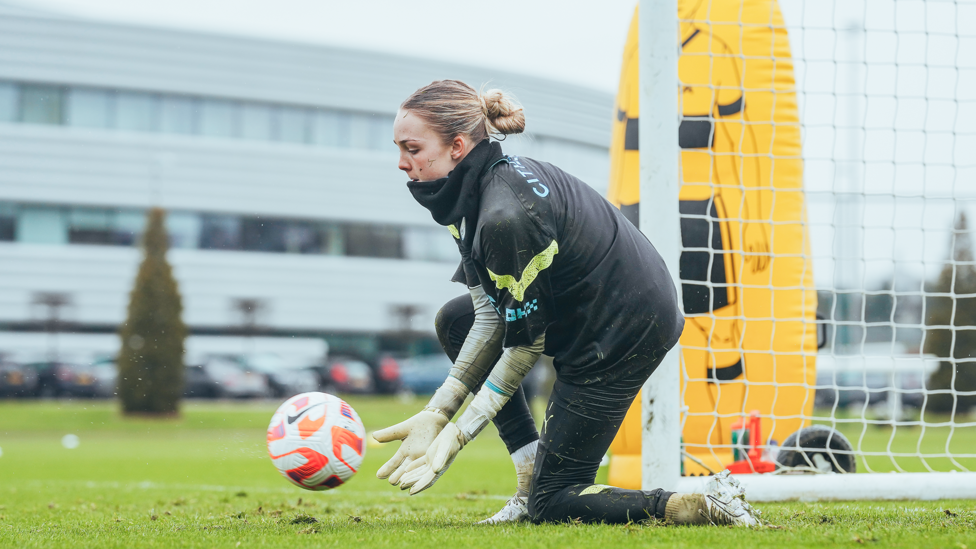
x: 579, y: 424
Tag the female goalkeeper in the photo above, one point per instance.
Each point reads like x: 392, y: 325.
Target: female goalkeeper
x: 551, y: 267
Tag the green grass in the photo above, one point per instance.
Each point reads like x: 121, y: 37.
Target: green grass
x: 205, y: 480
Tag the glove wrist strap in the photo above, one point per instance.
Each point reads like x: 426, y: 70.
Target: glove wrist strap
x: 448, y: 398
x: 483, y: 409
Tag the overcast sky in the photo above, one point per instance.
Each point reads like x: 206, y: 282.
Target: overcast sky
x: 887, y: 91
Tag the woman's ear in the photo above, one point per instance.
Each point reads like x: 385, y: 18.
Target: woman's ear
x: 459, y: 148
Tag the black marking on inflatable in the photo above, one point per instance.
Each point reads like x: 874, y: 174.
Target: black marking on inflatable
x: 725, y: 373
x: 695, y: 132
x: 631, y: 137
x: 731, y: 108
x: 703, y: 259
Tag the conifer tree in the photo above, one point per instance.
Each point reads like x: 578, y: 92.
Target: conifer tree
x: 151, y: 359
x: 956, y: 310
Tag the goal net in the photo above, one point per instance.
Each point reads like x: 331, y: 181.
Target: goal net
x: 826, y: 257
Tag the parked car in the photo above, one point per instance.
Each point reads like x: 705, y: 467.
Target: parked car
x: 387, y: 374
x: 197, y: 383
x: 423, y: 374
x: 853, y: 380
x: 232, y: 380
x: 17, y: 380
x: 64, y: 379
x: 284, y: 379
x: 346, y: 375
x: 856, y: 388
x: 106, y: 374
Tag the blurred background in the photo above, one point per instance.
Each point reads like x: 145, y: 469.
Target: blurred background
x: 302, y: 261
x: 264, y: 132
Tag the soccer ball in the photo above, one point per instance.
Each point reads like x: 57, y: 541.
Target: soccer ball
x: 316, y: 441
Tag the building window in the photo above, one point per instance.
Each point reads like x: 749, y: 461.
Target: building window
x: 360, y: 131
x: 41, y: 104
x: 192, y: 230
x: 373, y: 241
x: 333, y: 129
x: 220, y: 232
x: 426, y: 244
x: 42, y: 225
x: 9, y: 101
x: 218, y: 118
x: 381, y: 133
x: 184, y: 229
x: 260, y: 234
x: 89, y: 108
x: 304, y: 238
x: 293, y: 125
x: 333, y: 239
x: 8, y: 222
x: 177, y: 114
x: 90, y: 226
x: 127, y: 226
x: 256, y: 121
x: 136, y: 111
x: 263, y: 235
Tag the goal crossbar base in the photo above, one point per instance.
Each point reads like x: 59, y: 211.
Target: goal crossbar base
x: 842, y: 487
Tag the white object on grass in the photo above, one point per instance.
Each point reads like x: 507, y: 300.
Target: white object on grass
x: 70, y: 441
x: 846, y: 487
x: 516, y: 510
x: 726, y: 503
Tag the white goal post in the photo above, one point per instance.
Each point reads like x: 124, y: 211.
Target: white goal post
x: 806, y: 172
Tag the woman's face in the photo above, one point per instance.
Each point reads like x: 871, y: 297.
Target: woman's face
x: 423, y: 154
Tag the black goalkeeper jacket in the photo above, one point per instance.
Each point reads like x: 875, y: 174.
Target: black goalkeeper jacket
x: 556, y: 258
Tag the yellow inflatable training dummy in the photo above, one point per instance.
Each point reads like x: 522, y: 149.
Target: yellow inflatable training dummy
x: 750, y: 338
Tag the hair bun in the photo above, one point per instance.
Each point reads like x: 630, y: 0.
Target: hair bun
x: 504, y: 114
x: 452, y: 108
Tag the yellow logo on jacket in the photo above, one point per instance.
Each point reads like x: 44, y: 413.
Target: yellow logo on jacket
x: 536, y: 265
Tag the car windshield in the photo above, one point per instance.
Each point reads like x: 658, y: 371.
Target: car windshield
x: 356, y: 367
x: 223, y: 366
x: 269, y: 363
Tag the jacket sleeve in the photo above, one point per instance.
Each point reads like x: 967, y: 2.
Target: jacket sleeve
x: 518, y: 253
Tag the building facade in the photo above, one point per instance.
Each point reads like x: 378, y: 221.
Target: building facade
x: 274, y: 161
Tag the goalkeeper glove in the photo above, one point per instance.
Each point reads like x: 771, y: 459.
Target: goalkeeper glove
x: 428, y: 469
x: 419, y: 432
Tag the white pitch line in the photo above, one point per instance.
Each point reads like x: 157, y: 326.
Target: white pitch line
x: 149, y: 485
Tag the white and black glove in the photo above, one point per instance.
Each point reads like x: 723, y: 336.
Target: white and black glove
x: 429, y: 468
x: 416, y: 434
x: 507, y: 374
x: 420, y: 431
x: 480, y: 347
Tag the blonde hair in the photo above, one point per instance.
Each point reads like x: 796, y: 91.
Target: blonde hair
x: 452, y: 108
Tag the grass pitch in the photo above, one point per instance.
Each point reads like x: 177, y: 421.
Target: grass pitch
x: 205, y: 480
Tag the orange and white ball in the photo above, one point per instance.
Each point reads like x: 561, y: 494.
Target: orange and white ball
x: 316, y: 441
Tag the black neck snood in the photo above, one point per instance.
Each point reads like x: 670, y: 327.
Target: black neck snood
x: 458, y: 195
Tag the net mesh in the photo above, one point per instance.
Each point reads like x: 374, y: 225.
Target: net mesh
x: 827, y: 265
